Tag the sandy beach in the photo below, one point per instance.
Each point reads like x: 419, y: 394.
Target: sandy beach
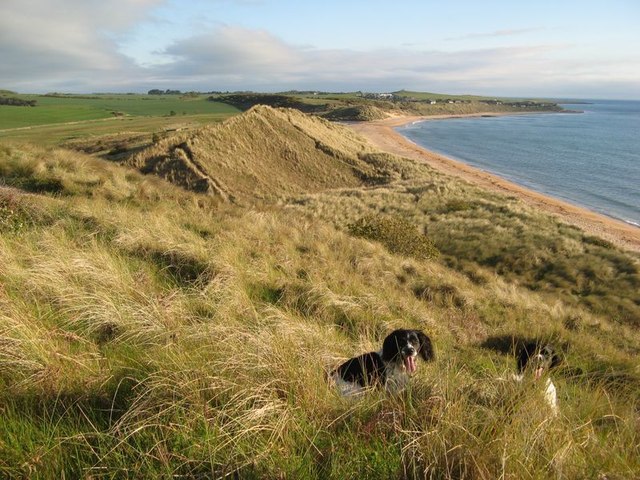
x: 381, y: 133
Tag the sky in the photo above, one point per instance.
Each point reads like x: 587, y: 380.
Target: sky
x: 559, y: 48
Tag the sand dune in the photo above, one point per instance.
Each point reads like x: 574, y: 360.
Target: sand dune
x: 262, y: 154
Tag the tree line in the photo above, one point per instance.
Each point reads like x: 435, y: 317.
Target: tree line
x: 156, y: 91
x: 17, y: 102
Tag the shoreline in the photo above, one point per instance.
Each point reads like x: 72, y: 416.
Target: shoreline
x: 382, y: 134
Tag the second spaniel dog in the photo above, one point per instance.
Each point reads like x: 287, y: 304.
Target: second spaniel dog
x: 538, y: 359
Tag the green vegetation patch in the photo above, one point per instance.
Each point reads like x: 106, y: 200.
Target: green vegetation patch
x: 359, y: 113
x: 480, y: 233
x: 249, y: 100
x: 17, y: 102
x: 395, y: 233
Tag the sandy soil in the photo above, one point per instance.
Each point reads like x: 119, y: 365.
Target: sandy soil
x: 381, y: 133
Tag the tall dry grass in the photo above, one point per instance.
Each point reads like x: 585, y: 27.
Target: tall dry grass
x: 480, y: 233
x: 148, y: 332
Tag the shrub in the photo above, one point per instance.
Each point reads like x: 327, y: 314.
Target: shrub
x: 396, y: 234
x: 444, y: 295
x: 597, y: 241
x: 456, y: 205
x: 17, y: 102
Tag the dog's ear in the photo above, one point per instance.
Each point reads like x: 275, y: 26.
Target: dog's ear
x: 552, y: 354
x: 524, y: 353
x: 555, y: 360
x: 390, y: 347
x: 426, y: 348
x: 522, y: 357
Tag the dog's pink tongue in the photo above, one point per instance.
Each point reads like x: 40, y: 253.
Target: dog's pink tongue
x: 538, y: 373
x: 410, y: 364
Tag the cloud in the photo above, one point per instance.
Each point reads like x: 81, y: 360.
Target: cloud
x: 231, y: 50
x: 77, y: 49
x: 497, y: 33
x: 234, y: 58
x: 74, y: 41
x: 238, y: 58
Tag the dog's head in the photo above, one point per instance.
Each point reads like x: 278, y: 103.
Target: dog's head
x: 537, y: 358
x: 404, y: 346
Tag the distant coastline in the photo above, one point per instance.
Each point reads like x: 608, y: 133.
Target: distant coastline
x: 383, y: 135
x: 573, y: 102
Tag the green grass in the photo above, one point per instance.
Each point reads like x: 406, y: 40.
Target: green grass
x: 50, y: 110
x: 353, y: 106
x: 443, y: 96
x: 56, y: 134
x: 437, y: 96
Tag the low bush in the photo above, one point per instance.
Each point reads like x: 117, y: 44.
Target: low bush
x: 396, y: 234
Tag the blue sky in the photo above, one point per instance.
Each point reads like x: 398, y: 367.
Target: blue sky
x: 561, y: 48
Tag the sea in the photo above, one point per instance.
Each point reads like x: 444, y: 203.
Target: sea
x: 590, y: 159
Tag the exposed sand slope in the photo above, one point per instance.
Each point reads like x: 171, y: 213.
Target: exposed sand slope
x: 381, y: 134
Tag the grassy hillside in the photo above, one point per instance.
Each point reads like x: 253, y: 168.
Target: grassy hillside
x: 265, y: 153
x: 122, y: 122
x: 435, y: 96
x: 358, y: 113
x: 150, y: 331
x: 482, y: 234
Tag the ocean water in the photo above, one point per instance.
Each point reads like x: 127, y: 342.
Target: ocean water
x: 590, y: 159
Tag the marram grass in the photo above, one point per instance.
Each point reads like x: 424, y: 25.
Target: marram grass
x: 147, y: 332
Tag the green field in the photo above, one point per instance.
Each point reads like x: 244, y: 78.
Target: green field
x: 59, y: 133
x: 77, y: 108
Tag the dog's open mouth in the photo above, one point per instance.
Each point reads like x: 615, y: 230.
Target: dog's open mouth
x: 410, y: 364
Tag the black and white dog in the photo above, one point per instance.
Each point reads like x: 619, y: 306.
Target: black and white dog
x: 389, y: 368
x: 538, y: 360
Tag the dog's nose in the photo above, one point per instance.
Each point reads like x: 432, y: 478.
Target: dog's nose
x: 409, y: 351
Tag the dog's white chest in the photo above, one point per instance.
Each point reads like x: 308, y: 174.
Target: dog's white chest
x: 397, y: 379
x: 347, y: 389
x: 551, y: 396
